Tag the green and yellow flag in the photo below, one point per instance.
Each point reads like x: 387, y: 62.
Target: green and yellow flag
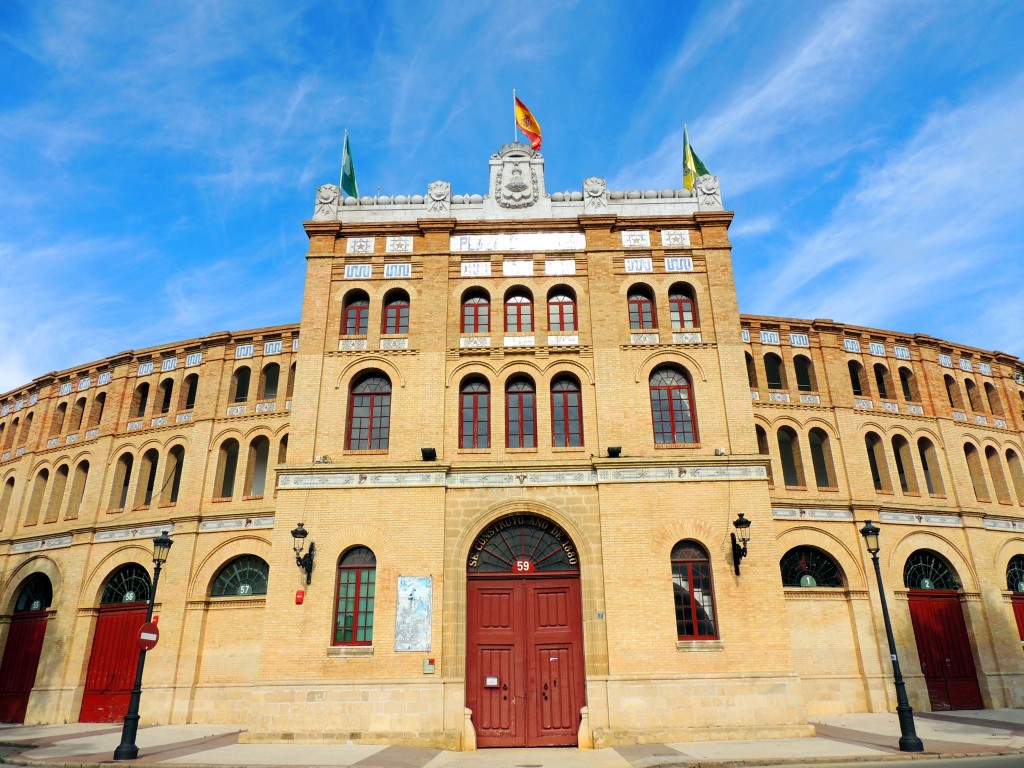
x: 348, y: 171
x: 693, y: 168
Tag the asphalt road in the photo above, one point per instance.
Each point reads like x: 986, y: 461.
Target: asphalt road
x: 987, y: 761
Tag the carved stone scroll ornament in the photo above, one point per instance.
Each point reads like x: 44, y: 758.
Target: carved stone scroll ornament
x: 595, y: 195
x: 516, y: 185
x: 439, y: 197
x: 326, y: 202
x: 709, y: 195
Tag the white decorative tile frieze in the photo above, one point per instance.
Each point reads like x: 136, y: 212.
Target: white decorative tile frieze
x: 851, y: 345
x: 159, y: 421
x: 394, y: 343
x: 745, y: 335
x: 917, y: 410
x: 33, y: 398
x: 193, y: 358
x: 472, y: 342
x: 103, y: 378
x: 981, y: 420
x: 169, y: 364
x: 20, y: 451
x: 236, y: 410
x: 876, y: 348
x: 84, y: 384
x: 688, y: 337
x: 996, y: 524
x: 805, y: 513
x: 358, y: 271
x: 1001, y: 423
x: 675, y: 238
x: 6, y: 455
x: 799, y: 340
x: 287, y: 405
x: 778, y: 397
x: 519, y: 341
x: 145, y: 369
x: 564, y: 340
x: 914, y: 518
x: 286, y: 480
x: 133, y: 425
x: 639, y: 265
x: 678, y: 264
x: 959, y: 415
x: 92, y: 433
x: 891, y: 407
x: 946, y: 361
x: 770, y: 337
x: 644, y: 338
x: 359, y: 245
x: 5, y: 410
x: 558, y: 267
x: 265, y: 407
x: 985, y: 369
x: 636, y: 239
x: 811, y: 399
x: 860, y: 402
x: 965, y: 364
x: 19, y: 404
x: 397, y: 270
x: 690, y: 473
x: 72, y: 439
x: 521, y: 241
x: 295, y: 344
x: 65, y: 388
x: 755, y: 395
x: 273, y: 347
x: 903, y: 353
x: 351, y: 345
x: 399, y: 244
x: 517, y: 268
x: 181, y: 418
x: 36, y: 545
x: 476, y: 269
x: 53, y: 442
x: 243, y: 351
x: 238, y: 523
x: 141, y: 532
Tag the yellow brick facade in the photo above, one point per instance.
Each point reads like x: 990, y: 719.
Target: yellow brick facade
x: 780, y: 655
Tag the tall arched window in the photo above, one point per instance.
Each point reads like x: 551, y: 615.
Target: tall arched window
x: 354, y: 597
x: 60, y: 483
x: 172, y: 475
x: 11, y: 434
x: 518, y: 312
x: 883, y: 382
x: 693, y: 591
x: 396, y: 312
x: 858, y: 382
x: 973, y: 396
x: 672, y: 407
x: 474, y: 414
x: 245, y: 576
x: 269, y: 378
x: 930, y: 466
x: 809, y: 567
x: 77, y: 416
x: 57, y: 423
x: 356, y: 314
x: 240, y: 385
x: 762, y: 449
x: 1015, y: 574
x: 227, y: 468
x: 5, y: 500
x: 26, y: 430
x: 122, y: 481
x: 909, y: 384
x: 751, y: 370
x: 642, y: 313
x: 976, y: 473
x: 904, y: 465
x: 561, y: 310
x: 774, y: 371
x: 96, y: 412
x: 789, y: 456
x: 953, y: 392
x: 190, y: 388
x: 1016, y: 474
x: 140, y: 401
x: 476, y: 312
x: 995, y: 405
x: 147, y: 478
x: 292, y: 369
x: 566, y: 413
x: 256, y: 467
x: 369, y: 413
x: 520, y: 414
x: 995, y: 471
x: 74, y: 508
x: 877, y: 463
x: 166, y: 395
x: 35, y: 501
x: 821, y: 458
x: 682, y: 306
x: 805, y: 380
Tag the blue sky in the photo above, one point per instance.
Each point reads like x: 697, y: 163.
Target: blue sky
x: 157, y: 159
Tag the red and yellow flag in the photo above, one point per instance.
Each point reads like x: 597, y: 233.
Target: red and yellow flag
x: 527, y: 124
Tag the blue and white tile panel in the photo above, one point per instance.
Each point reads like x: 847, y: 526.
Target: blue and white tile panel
x: 238, y: 523
x: 914, y: 518
x: 37, y: 545
x: 128, y: 534
x: 807, y: 513
x: 996, y: 524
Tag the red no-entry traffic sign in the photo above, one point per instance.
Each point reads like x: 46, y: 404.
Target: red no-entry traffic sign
x: 148, y: 635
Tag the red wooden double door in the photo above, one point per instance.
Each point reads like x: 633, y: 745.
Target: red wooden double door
x: 524, y: 668
x: 112, y: 663
x: 20, y: 662
x: 944, y: 650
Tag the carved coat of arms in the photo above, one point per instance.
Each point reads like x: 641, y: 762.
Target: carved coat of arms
x: 516, y: 185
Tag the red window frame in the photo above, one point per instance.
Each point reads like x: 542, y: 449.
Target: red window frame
x: 396, y: 316
x: 566, y: 414
x: 520, y: 414
x: 357, y: 575
x: 561, y: 313
x: 673, y: 412
x: 369, y: 415
x: 693, y: 592
x: 643, y: 314
x: 683, y: 310
x: 475, y: 414
x: 476, y: 315
x: 357, y: 317
x: 518, y: 314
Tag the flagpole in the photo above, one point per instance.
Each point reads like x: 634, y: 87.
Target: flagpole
x: 515, y: 125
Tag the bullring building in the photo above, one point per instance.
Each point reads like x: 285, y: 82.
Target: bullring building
x: 518, y: 429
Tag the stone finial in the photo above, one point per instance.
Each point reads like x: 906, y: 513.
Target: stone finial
x: 326, y: 202
x: 439, y: 197
x: 595, y: 195
x: 709, y: 195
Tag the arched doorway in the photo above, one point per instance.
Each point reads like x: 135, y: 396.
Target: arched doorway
x: 24, y: 646
x: 524, y: 639
x: 1015, y: 584
x: 941, y: 634
x: 115, y: 654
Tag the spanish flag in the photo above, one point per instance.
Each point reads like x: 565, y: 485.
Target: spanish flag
x: 527, y: 123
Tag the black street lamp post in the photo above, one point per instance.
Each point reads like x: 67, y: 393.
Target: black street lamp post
x: 128, y: 749
x: 909, y: 741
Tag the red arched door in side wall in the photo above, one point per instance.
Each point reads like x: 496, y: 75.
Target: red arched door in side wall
x: 24, y: 647
x: 944, y: 650
x: 112, y: 663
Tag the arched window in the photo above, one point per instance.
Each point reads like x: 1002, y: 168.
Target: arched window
x: 858, y: 383
x: 476, y: 312
x: 57, y: 423
x: 520, y: 414
x: 5, y: 501
x: 693, y: 591
x: 926, y: 570
x: 122, y: 480
x: 282, y: 450
x: 353, y: 615
x: 256, y: 468
x: 774, y: 371
x: 26, y: 430
x: 930, y: 466
x: 35, y: 501
x: 789, y: 456
x: 751, y: 370
x: 9, y: 440
x: 909, y: 384
x: 147, y: 478
x: 1016, y: 474
x: 762, y: 448
x: 96, y: 412
x: 356, y: 314
x: 905, y: 465
x: 166, y: 395
x: 128, y: 584
x: 227, y: 467
x: 172, y: 475
x: 36, y: 594
x: 682, y: 306
x: 291, y: 381
x: 973, y: 397
x: 809, y: 567
x: 244, y: 576
x: 883, y: 382
x: 190, y: 388
x: 821, y: 458
x: 561, y: 310
x: 877, y: 463
x: 518, y: 312
x: 642, y: 314
x: 140, y: 400
x: 995, y: 471
x: 566, y: 413
x: 995, y: 405
x: 953, y: 392
x: 805, y: 380
x: 240, y: 385
x: 77, y: 415
x: 268, y: 382
x: 369, y: 413
x: 60, y: 484
x: 1015, y: 574
x: 672, y: 407
x: 77, y: 491
x: 396, y: 312
x: 977, y: 475
x: 474, y: 414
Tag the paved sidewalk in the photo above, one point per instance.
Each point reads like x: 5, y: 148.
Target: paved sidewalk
x: 840, y: 738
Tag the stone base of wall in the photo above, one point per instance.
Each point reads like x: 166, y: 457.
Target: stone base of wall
x: 835, y: 695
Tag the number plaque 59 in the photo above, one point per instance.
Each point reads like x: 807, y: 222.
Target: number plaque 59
x: 524, y: 566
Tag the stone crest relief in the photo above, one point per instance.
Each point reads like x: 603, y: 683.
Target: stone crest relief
x: 516, y: 185
x: 595, y: 195
x: 326, y: 202
x: 709, y: 195
x: 439, y: 197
